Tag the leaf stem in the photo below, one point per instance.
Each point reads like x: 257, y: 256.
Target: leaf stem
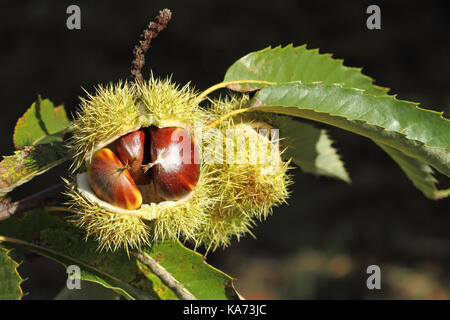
x: 172, y: 283
x: 38, y: 200
x: 227, y: 83
x: 226, y: 116
x: 59, y: 209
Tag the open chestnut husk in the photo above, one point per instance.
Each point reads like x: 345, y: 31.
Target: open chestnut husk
x: 150, y: 125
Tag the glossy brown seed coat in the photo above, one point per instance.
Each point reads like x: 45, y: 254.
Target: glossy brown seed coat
x: 130, y: 149
x: 112, y: 182
x: 177, y: 167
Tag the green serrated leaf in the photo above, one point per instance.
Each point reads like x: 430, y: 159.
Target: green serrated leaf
x: 281, y: 65
x: 418, y: 172
x: 287, y: 64
x: 29, y: 162
x: 419, y: 133
x: 41, y: 123
x: 190, y: 269
x: 10, y: 279
x: 65, y: 244
x: 310, y: 148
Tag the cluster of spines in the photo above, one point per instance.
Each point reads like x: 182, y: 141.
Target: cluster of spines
x: 110, y: 230
x: 165, y: 101
x: 109, y: 112
x: 246, y: 192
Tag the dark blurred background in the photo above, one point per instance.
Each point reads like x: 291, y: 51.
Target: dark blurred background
x: 319, y: 245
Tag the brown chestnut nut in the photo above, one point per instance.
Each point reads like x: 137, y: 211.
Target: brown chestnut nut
x: 112, y: 182
x: 175, y: 161
x: 130, y: 149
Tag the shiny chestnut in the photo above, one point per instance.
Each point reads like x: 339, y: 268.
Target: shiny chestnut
x: 175, y: 162
x: 130, y: 149
x: 112, y: 182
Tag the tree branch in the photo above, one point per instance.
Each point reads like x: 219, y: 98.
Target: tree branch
x: 49, y: 196
x: 166, y: 278
x: 151, y: 32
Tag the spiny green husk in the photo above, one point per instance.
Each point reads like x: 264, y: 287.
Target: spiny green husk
x: 229, y: 197
x: 163, y: 103
x: 247, y: 192
x: 97, y: 120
